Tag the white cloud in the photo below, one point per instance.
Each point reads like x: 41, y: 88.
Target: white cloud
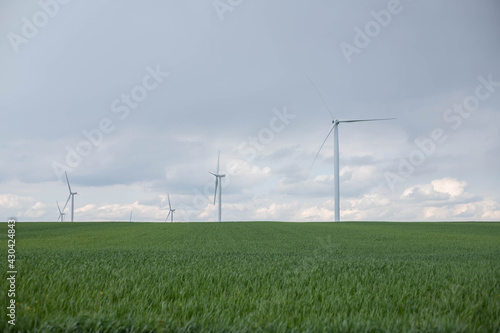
x: 86, y: 209
x: 450, y: 186
x: 243, y: 168
x: 35, y: 211
x: 491, y: 210
x: 446, y: 199
x: 439, y: 189
x: 424, y: 192
x: 114, y: 212
x: 317, y: 213
x: 275, y: 211
x: 324, y: 179
x: 368, y: 201
x: 22, y: 206
x: 358, y: 174
x: 13, y: 201
x: 208, y: 212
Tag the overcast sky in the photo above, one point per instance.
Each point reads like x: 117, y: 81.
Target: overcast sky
x: 134, y: 99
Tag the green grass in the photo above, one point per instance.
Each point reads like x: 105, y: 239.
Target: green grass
x: 273, y: 277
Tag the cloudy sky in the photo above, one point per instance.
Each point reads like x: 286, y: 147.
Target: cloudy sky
x: 134, y: 99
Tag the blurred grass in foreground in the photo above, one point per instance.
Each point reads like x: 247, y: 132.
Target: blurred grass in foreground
x: 256, y: 276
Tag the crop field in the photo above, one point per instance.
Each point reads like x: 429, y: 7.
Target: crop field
x: 255, y: 276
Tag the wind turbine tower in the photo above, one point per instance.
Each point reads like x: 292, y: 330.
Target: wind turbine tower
x: 335, y: 129
x: 218, y: 184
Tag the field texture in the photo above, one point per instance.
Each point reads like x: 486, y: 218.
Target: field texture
x: 248, y: 277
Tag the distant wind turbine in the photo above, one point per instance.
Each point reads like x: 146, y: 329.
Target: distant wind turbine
x: 61, y: 213
x: 335, y: 130
x: 130, y: 220
x: 218, y: 183
x: 170, y: 210
x: 72, y: 197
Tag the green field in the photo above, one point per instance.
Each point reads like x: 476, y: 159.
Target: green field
x: 256, y: 276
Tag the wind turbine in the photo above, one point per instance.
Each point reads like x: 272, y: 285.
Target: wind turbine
x: 218, y: 183
x: 335, y: 130
x: 170, y: 210
x: 130, y: 220
x: 72, y: 197
x: 61, y: 213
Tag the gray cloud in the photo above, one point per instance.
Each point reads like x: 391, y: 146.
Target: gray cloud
x: 226, y: 78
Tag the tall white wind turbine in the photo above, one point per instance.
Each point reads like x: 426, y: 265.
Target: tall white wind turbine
x: 72, y: 197
x: 61, y: 213
x: 218, y: 184
x: 335, y: 130
x: 170, y: 210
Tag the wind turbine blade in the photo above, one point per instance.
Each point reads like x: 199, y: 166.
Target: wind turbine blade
x: 69, y: 197
x: 67, y: 180
x: 360, y: 120
x: 60, y: 213
x: 218, y: 159
x: 216, y: 185
x: 168, y: 216
x: 169, y: 205
x: 327, y: 136
x: 321, y: 96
